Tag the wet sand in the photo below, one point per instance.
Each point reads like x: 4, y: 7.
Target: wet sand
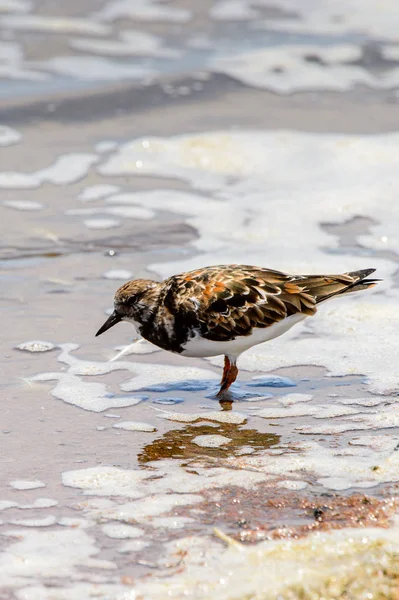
x: 160, y: 482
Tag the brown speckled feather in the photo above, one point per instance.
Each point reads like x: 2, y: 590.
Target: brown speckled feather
x: 230, y: 300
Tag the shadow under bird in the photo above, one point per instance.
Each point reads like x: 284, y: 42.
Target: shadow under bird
x: 225, y: 309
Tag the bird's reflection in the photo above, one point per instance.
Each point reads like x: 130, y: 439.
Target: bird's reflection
x: 178, y: 443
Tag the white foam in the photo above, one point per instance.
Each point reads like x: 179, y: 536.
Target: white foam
x: 133, y: 546
x: 135, y: 426
x: 284, y: 68
x: 130, y: 43
x: 68, y: 168
x: 61, y: 552
x: 220, y: 417
x: 322, y: 411
x: 96, y: 192
x: 232, y: 10
x: 140, y: 346
x: 15, y: 6
x: 146, y: 10
x: 84, y: 394
x: 9, y: 136
x: 121, y: 274
x: 43, y: 522
x: 49, y: 24
x: 24, y: 205
x: 143, y: 510
x: 78, y: 591
x: 211, y: 441
x: 292, y: 484
x: 101, y: 223
x: 22, y: 484
x: 106, y: 481
x: 171, y: 522
x: 38, y: 503
x: 290, y: 399
x: 12, y: 63
x: 73, y: 522
x: 171, y: 478
x: 130, y: 212
x: 268, y: 569
x: 359, y: 466
x: 121, y: 532
x: 36, y: 346
x: 106, y: 146
x: 364, y: 17
x: 383, y: 443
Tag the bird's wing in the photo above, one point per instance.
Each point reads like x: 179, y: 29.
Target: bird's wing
x: 231, y: 300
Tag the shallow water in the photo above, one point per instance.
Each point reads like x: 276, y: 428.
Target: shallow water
x: 140, y: 139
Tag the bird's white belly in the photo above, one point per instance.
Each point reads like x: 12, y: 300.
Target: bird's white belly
x: 198, y: 346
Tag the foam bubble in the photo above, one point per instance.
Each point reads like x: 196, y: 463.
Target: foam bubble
x: 36, y: 346
x: 135, y: 426
x: 130, y: 212
x: 121, y: 532
x: 211, y: 441
x: 140, y: 346
x: 15, y: 6
x: 359, y: 467
x: 106, y: 481
x: 8, y: 136
x: 38, y: 503
x: 118, y: 274
x: 233, y: 417
x: 171, y: 522
x: 106, y: 146
x: 12, y: 64
x: 133, y: 546
x: 87, y: 395
x: 292, y: 484
x: 61, y: 552
x: 43, y: 522
x: 46, y: 23
x: 25, y: 205
x: 355, y: 16
x: 67, y: 169
x: 232, y: 10
x: 144, y: 509
x: 130, y: 43
x: 290, y: 399
x: 96, y: 192
x: 21, y: 484
x: 146, y: 10
x: 94, y: 395
x: 101, y: 223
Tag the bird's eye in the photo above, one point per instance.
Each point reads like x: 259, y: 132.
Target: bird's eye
x: 131, y: 300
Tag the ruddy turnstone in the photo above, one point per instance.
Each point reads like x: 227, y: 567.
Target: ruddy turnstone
x: 225, y: 309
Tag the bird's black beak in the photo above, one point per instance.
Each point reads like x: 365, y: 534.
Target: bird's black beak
x: 110, y: 322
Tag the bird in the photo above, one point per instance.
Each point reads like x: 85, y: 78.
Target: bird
x: 225, y: 309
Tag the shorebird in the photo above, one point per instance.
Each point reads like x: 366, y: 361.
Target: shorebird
x: 225, y: 309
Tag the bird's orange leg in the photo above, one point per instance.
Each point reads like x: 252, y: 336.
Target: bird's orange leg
x: 230, y: 373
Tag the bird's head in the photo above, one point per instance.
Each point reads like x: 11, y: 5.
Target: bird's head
x: 132, y: 302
